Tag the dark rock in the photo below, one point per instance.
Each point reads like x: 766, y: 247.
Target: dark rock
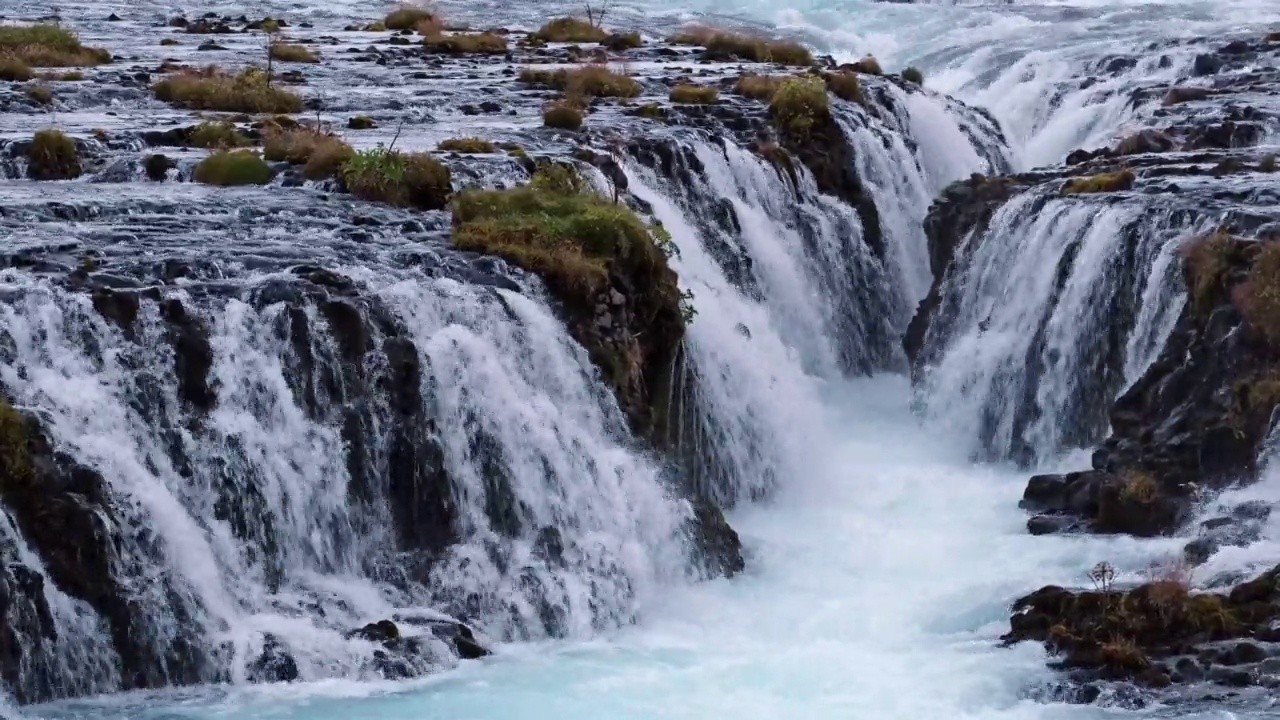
x: 157, y: 167
x: 383, y: 631
x: 274, y: 664
x: 1206, y: 64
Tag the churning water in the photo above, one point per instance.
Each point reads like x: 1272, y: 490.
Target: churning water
x: 881, y: 567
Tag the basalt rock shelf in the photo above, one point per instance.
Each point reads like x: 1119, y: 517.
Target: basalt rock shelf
x: 275, y: 432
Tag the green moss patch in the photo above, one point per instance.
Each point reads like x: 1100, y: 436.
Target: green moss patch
x: 473, y: 145
x: 233, y: 167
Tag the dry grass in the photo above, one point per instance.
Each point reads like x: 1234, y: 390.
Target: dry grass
x: 568, y: 29
x: 320, y: 153
x: 1207, y: 259
x: 473, y: 145
x: 562, y: 116
x: 217, y: 135
x: 799, y: 104
x: 14, y: 70
x: 40, y: 94
x: 466, y: 44
x: 47, y: 45
x: 1267, y: 164
x: 594, y: 80
x: 407, y: 17
x: 1179, y: 95
x: 694, y: 94
x: 1259, y: 296
x: 844, y: 85
x: 1140, y: 487
x: 52, y: 156
x: 867, y: 66
x: 724, y: 45
x: 285, y: 52
x: 1124, y: 654
x: 1101, y: 183
x: 214, y: 89
x: 913, y: 75
x: 431, y: 26
x: 759, y: 87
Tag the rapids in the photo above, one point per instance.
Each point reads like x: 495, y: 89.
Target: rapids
x: 881, y: 557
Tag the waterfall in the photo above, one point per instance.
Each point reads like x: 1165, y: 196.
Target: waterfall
x: 1097, y: 290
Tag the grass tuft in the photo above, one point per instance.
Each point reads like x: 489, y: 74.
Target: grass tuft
x: 723, y: 46
x: 466, y: 44
x: 594, y: 80
x: 799, y: 104
x: 1100, y: 183
x: 758, y: 87
x: 52, y: 156
x: 402, y: 179
x: 844, y: 85
x: 694, y: 94
x: 1208, y: 260
x: 405, y: 17
x: 214, y: 89
x: 1259, y: 297
x: 13, y: 69
x: 562, y: 116
x: 40, y: 94
x: 217, y: 135
x: 867, y: 66
x: 913, y: 75
x: 285, y: 52
x: 48, y: 45
x: 473, y: 145
x: 320, y: 153
x: 569, y: 29
x: 233, y: 167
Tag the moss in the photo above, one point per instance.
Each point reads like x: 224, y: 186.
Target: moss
x: 233, y: 167
x: 592, y: 80
x: 320, y: 153
x: 694, y: 94
x: 799, y: 104
x: 555, y: 228
x: 47, y: 45
x: 562, y: 116
x: 217, y: 135
x: 213, y: 89
x: 468, y: 145
x: 1259, y: 296
x: 867, y: 66
x: 405, y: 17
x: 1179, y: 95
x: 844, y: 85
x: 361, y: 122
x: 14, y: 70
x: 1207, y: 260
x: 285, y: 52
x: 52, y: 156
x: 41, y: 94
x: 1139, y: 487
x: 759, y: 87
x: 1101, y: 183
x: 722, y: 45
x: 466, y: 44
x: 402, y: 179
x: 568, y: 29
x: 913, y: 75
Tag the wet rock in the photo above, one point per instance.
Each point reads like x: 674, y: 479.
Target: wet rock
x: 273, y: 664
x: 383, y: 631
x: 716, y: 542
x: 1206, y: 64
x: 192, y: 354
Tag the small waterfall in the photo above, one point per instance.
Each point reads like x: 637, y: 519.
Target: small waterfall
x: 1098, y: 289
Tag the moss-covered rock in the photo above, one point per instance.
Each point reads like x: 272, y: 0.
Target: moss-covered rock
x: 52, y: 156
x: 1117, y: 181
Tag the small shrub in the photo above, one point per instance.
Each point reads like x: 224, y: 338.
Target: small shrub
x: 468, y: 145
x: 1100, y: 183
x: 622, y: 41
x: 1140, y: 487
x: 52, y: 156
x: 213, y: 89
x: 285, y: 52
x: 844, y: 85
x: 157, y: 167
x: 361, y: 122
x: 694, y: 94
x: 168, y: 42
x: 217, y: 135
x: 14, y: 70
x: 1260, y: 295
x: 233, y: 167
x: 403, y: 179
x: 568, y: 29
x: 466, y: 44
x: 41, y: 94
x: 405, y: 17
x: 591, y: 80
x: 1267, y: 164
x: 47, y: 45
x: 554, y: 227
x: 562, y: 116
x: 321, y: 153
x: 799, y: 104
x: 913, y: 75
x: 759, y: 87
x: 1179, y: 95
x: 867, y: 66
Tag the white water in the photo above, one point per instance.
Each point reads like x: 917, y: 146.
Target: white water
x: 881, y: 570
